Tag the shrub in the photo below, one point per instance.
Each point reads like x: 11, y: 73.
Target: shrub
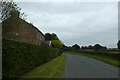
x: 57, y: 43
x: 19, y: 58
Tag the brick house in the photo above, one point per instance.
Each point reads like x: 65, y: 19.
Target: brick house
x: 15, y: 28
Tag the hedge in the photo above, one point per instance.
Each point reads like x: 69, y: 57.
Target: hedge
x: 104, y: 54
x: 19, y: 58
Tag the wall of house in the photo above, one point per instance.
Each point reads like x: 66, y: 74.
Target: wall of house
x: 20, y: 30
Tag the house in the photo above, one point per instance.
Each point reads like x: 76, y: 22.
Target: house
x: 46, y: 43
x: 15, y: 28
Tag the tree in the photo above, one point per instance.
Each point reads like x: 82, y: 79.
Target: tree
x: 118, y: 44
x: 54, y: 36
x: 48, y: 36
x: 104, y: 48
x: 97, y: 47
x: 90, y: 47
x: 54, y: 40
x: 6, y: 9
x: 82, y: 47
x: 76, y: 47
x: 86, y: 47
x: 57, y: 43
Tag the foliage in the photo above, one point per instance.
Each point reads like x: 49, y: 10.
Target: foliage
x: 52, y: 36
x: 96, y: 47
x: 48, y: 36
x: 76, y: 47
x: 84, y: 47
x: 8, y: 8
x: 90, y: 47
x: 54, y: 40
x: 19, y: 58
x: 66, y: 48
x: 99, y: 47
x: 118, y: 44
x: 57, y: 43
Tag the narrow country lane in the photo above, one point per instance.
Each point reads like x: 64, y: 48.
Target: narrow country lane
x: 82, y: 67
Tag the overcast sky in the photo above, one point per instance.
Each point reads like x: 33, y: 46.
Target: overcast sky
x: 83, y: 23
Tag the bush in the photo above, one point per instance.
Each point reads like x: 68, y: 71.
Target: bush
x: 19, y: 58
x: 57, y: 43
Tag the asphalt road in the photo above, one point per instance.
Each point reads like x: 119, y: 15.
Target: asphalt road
x: 82, y: 67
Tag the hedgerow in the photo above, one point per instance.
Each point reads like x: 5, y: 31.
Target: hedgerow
x: 19, y: 58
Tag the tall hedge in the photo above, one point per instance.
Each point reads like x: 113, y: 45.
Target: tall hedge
x: 19, y: 58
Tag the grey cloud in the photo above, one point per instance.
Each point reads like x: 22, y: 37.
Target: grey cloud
x: 82, y: 23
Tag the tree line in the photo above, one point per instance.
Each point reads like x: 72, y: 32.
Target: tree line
x: 96, y: 47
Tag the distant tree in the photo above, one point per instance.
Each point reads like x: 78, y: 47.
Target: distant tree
x: 54, y: 36
x: 82, y: 47
x: 118, y: 44
x: 104, y: 48
x: 86, y: 47
x: 7, y: 7
x: 76, y: 47
x: 97, y: 47
x: 48, y: 36
x: 90, y: 47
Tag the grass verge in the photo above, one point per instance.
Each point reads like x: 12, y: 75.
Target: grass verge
x: 107, y: 60
x: 52, y: 69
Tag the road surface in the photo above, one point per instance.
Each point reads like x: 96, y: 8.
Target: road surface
x: 82, y: 67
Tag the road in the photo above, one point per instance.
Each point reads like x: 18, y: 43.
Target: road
x: 82, y: 67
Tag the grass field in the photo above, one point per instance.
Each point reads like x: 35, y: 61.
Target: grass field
x: 103, y: 59
x: 52, y: 69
